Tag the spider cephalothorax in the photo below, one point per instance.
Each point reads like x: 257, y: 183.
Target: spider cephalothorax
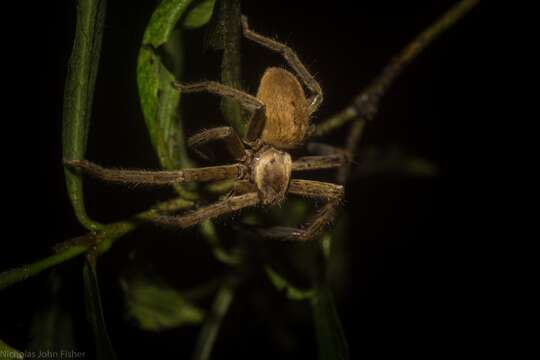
x: 263, y: 169
x: 271, y: 172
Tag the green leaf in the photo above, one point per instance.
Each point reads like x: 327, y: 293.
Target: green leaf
x: 159, y: 99
x: 9, y: 353
x: 199, y: 14
x: 156, y: 306
x: 52, y: 325
x: 163, y: 21
x: 330, y: 337
x: 78, y: 96
x: 94, y: 310
x: 159, y: 102
x: 281, y: 284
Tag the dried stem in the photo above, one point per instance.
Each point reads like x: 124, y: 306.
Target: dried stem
x: 365, y: 106
x: 355, y: 134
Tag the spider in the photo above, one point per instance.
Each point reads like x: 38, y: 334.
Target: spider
x: 278, y: 122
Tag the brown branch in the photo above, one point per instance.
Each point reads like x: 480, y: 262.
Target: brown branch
x: 365, y: 106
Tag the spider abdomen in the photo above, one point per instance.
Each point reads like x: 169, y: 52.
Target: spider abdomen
x: 287, y: 117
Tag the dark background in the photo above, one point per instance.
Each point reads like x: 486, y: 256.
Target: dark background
x: 409, y: 285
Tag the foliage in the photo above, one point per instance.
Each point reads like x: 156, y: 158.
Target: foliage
x: 156, y: 305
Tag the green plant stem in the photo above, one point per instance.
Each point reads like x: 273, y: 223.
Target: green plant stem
x: 230, y: 35
x: 78, y: 96
x: 366, y: 105
x: 210, y: 329
x: 24, y: 272
x: 102, y: 239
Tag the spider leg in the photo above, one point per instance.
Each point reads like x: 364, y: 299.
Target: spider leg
x: 332, y: 194
x: 292, y: 59
x: 319, y: 162
x: 230, y: 204
x: 248, y: 101
x: 330, y: 157
x: 226, y: 134
x: 157, y: 177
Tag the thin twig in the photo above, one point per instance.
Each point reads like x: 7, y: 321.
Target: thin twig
x: 355, y: 134
x: 210, y: 329
x: 102, y: 240
x: 366, y: 105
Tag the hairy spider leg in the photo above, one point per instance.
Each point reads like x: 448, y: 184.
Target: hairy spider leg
x: 146, y: 177
x: 319, y: 162
x: 228, y: 205
x: 226, y: 134
x: 332, y: 194
x: 292, y: 59
x: 248, y: 101
x: 347, y: 154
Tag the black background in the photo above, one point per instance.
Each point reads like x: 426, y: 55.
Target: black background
x: 410, y: 283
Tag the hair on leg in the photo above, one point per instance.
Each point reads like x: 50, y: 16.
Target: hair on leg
x: 145, y: 177
x: 231, y: 204
x: 332, y: 194
x: 248, y: 101
x: 316, y: 189
x: 292, y: 59
x: 319, y: 162
x: 225, y: 134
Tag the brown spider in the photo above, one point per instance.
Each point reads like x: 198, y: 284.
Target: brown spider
x: 279, y: 121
